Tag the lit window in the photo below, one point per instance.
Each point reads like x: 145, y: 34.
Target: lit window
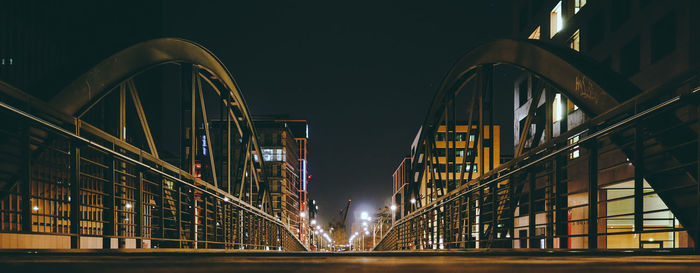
x: 575, y: 151
x: 575, y: 41
x: 556, y: 20
x: 274, y: 154
x: 557, y: 111
x: 578, y: 4
x: 472, y: 137
x: 535, y: 35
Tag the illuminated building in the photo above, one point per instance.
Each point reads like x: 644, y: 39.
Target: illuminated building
x: 651, y: 43
x: 447, y: 177
x: 284, y: 145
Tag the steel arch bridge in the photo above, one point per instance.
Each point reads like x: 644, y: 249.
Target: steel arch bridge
x: 89, y: 168
x: 553, y: 193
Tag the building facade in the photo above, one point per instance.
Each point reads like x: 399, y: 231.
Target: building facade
x: 284, y: 146
x: 651, y: 43
x: 446, y: 177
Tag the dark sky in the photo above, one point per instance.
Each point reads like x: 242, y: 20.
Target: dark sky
x: 363, y: 74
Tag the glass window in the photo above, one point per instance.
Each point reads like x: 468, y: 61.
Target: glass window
x: 535, y: 35
x: 273, y: 154
x: 575, y: 41
x: 557, y: 109
x: 575, y: 151
x: 556, y: 20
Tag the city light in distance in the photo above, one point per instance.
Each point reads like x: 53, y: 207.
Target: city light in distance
x: 302, y: 214
x: 413, y: 200
x: 128, y: 205
x: 393, y: 207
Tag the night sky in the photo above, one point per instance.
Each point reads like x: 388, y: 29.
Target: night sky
x: 362, y: 74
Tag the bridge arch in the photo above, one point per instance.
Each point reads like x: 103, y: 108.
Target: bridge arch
x: 210, y: 191
x: 438, y: 165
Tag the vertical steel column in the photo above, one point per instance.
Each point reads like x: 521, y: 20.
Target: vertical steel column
x: 163, y: 233
x: 109, y: 212
x: 75, y: 215
x: 187, y: 118
x: 178, y: 216
x: 549, y: 201
x: 511, y: 210
x: 638, y: 182
x: 531, y: 229
x: 561, y: 195
x: 494, y: 213
x: 593, y: 195
x: 470, y: 219
x: 480, y: 144
x: 26, y: 181
x: 139, y: 210
x: 482, y: 206
x: 697, y: 181
x: 489, y: 85
x: 195, y: 215
x: 205, y: 222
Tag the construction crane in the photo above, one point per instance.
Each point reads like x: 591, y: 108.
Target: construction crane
x: 339, y: 232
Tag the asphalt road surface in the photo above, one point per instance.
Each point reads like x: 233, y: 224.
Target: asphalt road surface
x: 212, y: 262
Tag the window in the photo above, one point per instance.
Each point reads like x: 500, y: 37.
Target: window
x: 459, y: 153
x: 629, y: 58
x: 575, y: 151
x: 461, y: 136
x: 472, y: 138
x: 522, y: 92
x: 535, y: 35
x: 557, y: 109
x: 578, y: 4
x: 570, y: 106
x: 273, y: 154
x: 440, y: 137
x: 556, y: 20
x: 663, y: 37
x: 575, y: 41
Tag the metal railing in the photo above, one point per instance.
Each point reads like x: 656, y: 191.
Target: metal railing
x: 62, y: 177
x: 609, y: 183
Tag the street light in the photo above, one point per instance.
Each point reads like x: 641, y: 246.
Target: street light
x: 393, y: 207
x: 413, y: 200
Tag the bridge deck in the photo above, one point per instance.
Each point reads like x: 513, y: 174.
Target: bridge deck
x: 210, y: 262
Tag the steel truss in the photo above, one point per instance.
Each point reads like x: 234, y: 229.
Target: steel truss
x: 87, y: 166
x: 533, y: 201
